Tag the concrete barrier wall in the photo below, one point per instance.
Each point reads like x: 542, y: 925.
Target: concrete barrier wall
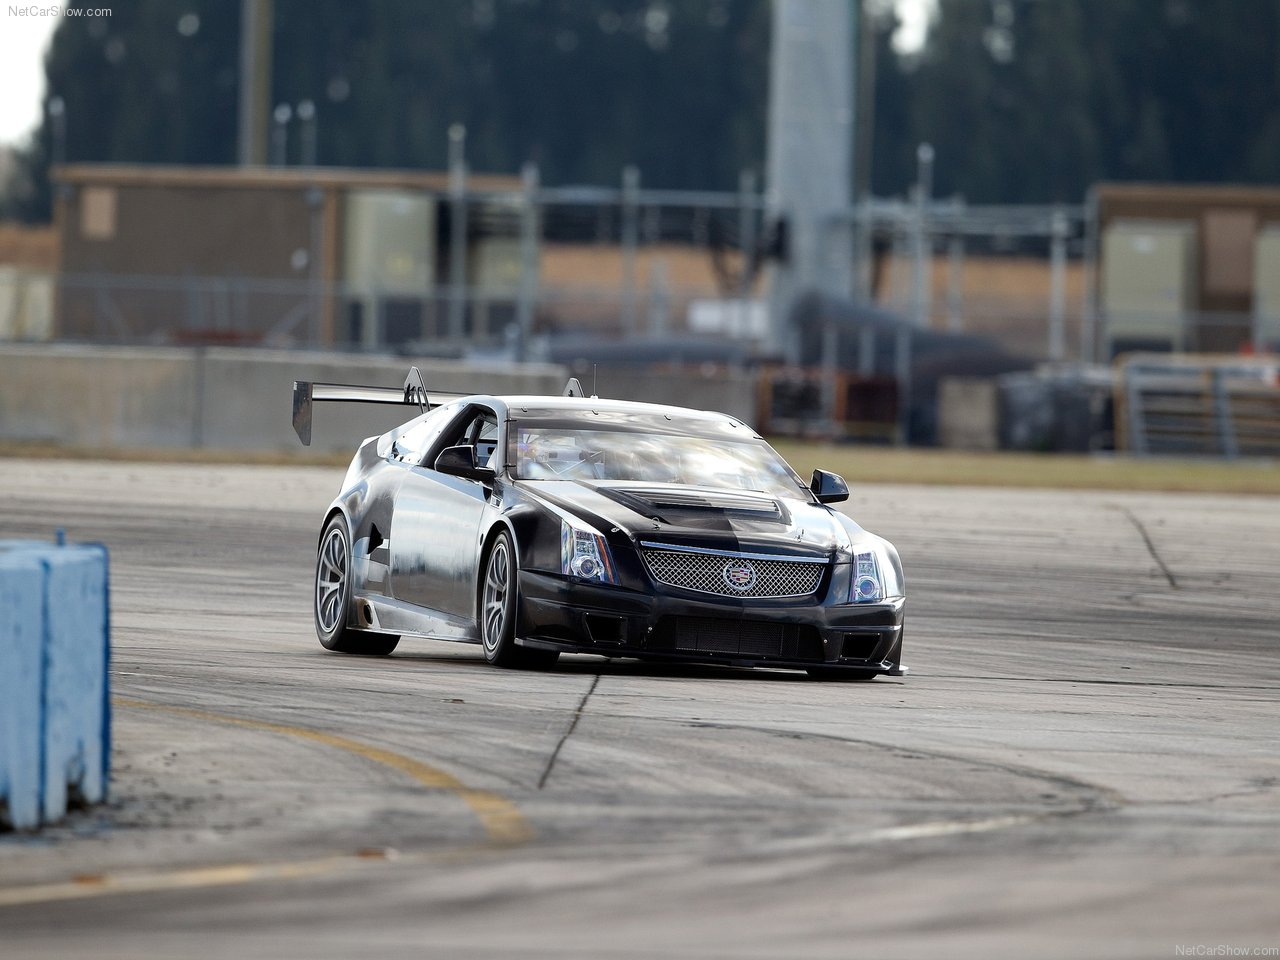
x: 55, y: 724
x: 104, y: 398
x: 100, y: 399
x: 246, y: 396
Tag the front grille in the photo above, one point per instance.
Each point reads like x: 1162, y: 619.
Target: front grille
x: 732, y: 574
x: 746, y: 638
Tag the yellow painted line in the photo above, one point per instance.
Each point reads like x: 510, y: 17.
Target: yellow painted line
x: 101, y: 885
x: 503, y: 823
x: 232, y: 874
x: 502, y: 820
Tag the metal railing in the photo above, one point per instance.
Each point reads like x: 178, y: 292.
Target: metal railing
x: 925, y: 254
x: 1198, y: 405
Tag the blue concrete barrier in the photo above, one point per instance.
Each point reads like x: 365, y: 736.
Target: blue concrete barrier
x: 21, y: 664
x: 55, y: 705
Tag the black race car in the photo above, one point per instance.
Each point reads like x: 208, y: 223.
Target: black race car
x: 537, y: 525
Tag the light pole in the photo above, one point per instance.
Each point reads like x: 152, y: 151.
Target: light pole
x: 58, y: 129
x: 530, y: 231
x: 306, y: 113
x: 1060, y: 230
x: 280, y: 134
x: 922, y: 249
x: 630, y: 245
x: 457, y: 231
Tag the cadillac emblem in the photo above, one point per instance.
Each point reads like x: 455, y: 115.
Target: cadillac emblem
x: 739, y: 575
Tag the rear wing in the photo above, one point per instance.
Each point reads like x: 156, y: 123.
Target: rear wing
x: 414, y: 393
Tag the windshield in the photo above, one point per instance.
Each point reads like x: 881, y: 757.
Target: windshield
x: 550, y: 452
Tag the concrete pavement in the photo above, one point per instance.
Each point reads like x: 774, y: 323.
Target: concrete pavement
x: 1083, y: 761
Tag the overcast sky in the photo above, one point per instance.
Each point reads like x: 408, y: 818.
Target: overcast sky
x: 24, y: 39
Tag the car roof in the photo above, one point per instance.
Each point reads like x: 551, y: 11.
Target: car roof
x: 596, y: 410
x: 559, y: 406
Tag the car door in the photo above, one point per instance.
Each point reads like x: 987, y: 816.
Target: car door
x: 438, y: 522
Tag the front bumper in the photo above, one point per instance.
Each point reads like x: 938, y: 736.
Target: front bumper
x: 559, y: 613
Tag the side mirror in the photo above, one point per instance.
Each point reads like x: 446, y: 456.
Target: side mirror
x: 461, y: 462
x: 828, y: 487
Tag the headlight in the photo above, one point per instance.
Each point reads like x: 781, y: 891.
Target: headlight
x: 867, y: 587
x: 875, y: 577
x: 584, y: 554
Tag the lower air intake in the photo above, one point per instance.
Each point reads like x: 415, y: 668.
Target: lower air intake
x: 744, y: 638
x: 859, y: 646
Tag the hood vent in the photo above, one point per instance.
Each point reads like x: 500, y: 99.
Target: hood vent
x: 648, y: 501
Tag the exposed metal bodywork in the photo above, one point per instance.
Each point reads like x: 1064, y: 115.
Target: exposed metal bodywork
x: 700, y: 572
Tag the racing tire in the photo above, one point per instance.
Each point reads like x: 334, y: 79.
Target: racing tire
x: 499, y: 604
x: 332, y: 597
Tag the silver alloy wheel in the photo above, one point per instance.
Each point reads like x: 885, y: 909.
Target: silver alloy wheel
x: 494, y: 602
x: 331, y: 578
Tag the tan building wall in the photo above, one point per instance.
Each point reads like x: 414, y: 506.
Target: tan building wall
x: 1225, y: 223
x: 219, y: 253
x: 29, y: 248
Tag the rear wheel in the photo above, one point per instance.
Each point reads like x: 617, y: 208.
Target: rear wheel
x: 333, y: 597
x: 498, y: 611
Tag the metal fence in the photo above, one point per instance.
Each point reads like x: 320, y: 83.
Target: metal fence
x: 632, y: 262
x: 1218, y: 406
x: 616, y: 262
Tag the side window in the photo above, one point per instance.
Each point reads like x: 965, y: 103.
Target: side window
x: 486, y: 440
x: 478, y: 429
x: 414, y: 442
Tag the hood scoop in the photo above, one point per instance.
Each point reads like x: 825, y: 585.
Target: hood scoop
x: 659, y: 502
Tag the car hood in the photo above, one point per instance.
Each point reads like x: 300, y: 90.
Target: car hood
x: 707, y: 517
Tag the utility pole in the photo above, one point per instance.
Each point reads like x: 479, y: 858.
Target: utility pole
x: 810, y: 154
x: 530, y: 237
x: 921, y: 244
x: 1060, y: 230
x: 630, y: 246
x: 747, y: 245
x: 458, y: 231
x: 255, y: 80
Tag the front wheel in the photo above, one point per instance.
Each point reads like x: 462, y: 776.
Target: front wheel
x: 333, y: 597
x: 498, y: 611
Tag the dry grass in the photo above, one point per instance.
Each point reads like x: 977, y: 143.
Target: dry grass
x: 1062, y: 471
x: 12, y: 449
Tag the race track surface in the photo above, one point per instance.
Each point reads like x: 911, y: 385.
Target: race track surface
x: 1084, y: 760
